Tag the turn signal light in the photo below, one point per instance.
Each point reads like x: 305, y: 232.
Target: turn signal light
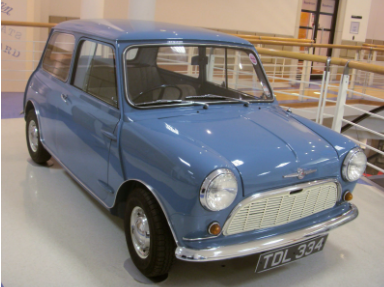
x: 214, y: 228
x: 348, y: 196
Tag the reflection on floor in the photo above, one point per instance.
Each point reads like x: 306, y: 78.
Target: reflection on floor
x: 55, y: 234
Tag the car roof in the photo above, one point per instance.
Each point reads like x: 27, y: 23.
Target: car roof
x: 119, y: 29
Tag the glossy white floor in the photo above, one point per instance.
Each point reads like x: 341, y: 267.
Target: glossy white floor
x: 55, y: 234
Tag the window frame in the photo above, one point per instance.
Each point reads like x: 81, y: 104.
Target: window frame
x: 72, y: 57
x: 79, y: 45
x: 205, y: 45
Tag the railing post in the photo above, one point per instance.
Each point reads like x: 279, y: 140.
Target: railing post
x: 211, y: 68
x: 308, y: 69
x: 372, y: 75
x: 236, y: 68
x: 325, y: 90
x: 366, y: 79
x: 305, y: 76
x: 274, y: 70
x: 353, y: 77
x: 320, y: 98
x: 341, y: 99
x: 189, y: 66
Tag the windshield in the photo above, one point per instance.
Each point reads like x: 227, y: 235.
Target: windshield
x: 174, y: 75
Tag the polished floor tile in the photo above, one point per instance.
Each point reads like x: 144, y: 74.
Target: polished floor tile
x: 55, y: 234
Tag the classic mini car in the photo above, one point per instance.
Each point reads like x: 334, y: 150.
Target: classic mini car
x: 176, y: 130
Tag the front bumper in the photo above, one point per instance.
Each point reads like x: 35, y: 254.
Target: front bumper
x: 258, y: 246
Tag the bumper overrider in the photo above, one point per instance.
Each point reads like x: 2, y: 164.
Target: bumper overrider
x: 267, y: 244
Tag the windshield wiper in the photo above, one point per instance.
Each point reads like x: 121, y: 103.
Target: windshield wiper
x: 211, y: 96
x: 165, y: 102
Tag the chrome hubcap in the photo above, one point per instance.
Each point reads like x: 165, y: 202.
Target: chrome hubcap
x: 140, y: 232
x: 33, y: 135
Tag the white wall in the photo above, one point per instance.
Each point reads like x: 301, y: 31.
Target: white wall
x: 14, y: 58
x: 358, y: 8
x: 272, y: 16
x: 376, y: 21
x: 116, y: 9
x: 67, y: 8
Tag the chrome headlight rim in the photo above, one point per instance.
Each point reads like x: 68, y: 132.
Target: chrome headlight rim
x: 207, y: 182
x: 347, y: 161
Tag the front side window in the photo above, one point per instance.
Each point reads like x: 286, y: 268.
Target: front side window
x: 58, y: 55
x: 95, y: 71
x: 167, y: 75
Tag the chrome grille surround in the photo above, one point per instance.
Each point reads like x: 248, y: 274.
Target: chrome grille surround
x: 279, y: 206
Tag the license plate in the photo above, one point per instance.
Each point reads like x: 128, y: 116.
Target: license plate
x: 276, y: 258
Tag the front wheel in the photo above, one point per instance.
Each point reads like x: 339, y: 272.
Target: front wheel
x: 36, y: 150
x: 148, y: 236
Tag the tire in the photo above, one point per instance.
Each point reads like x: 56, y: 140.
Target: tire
x: 36, y: 150
x: 156, y: 255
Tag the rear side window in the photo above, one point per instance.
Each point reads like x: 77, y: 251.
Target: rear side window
x: 95, y: 72
x: 58, y: 55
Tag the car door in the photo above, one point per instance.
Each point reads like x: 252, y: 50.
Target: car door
x: 88, y: 116
x: 50, y: 82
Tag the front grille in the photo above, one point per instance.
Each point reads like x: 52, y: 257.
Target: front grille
x: 282, y: 208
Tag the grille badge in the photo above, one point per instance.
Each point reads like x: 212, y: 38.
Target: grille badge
x: 300, y: 174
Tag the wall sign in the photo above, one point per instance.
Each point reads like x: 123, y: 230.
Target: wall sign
x: 354, y: 29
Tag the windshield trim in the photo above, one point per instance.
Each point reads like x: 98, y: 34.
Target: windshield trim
x: 176, y: 43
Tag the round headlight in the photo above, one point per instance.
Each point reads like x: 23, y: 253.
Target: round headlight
x: 218, y: 190
x: 354, y: 164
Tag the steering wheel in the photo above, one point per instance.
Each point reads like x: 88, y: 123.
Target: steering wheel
x: 163, y: 88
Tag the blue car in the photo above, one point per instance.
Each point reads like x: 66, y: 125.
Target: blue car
x: 176, y: 130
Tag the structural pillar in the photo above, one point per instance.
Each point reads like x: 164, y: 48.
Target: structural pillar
x: 142, y: 9
x: 92, y: 9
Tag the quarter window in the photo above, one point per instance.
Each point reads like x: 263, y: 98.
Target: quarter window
x: 58, y: 55
x: 95, y: 71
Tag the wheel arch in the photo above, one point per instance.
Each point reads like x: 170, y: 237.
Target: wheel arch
x: 125, y: 188
x: 29, y: 106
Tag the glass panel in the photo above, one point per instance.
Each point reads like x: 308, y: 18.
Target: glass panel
x: 305, y: 33
x: 327, y: 6
x: 58, y: 55
x: 216, y: 66
x: 131, y: 54
x: 306, y: 19
x: 95, y: 72
x: 178, y: 59
x: 83, y: 67
x: 322, y: 38
x: 241, y: 73
x: 154, y: 79
x: 325, y: 22
x: 309, y: 5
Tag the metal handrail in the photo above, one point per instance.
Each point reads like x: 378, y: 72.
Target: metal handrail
x: 373, y: 45
x: 313, y: 45
x: 323, y: 59
x: 256, y: 37
x: 28, y: 24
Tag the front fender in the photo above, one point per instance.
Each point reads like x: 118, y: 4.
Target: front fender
x: 174, y: 169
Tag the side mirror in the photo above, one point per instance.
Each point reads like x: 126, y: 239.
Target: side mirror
x: 197, y: 60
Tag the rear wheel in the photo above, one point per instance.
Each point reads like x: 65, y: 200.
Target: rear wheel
x: 149, y: 238
x: 36, y: 150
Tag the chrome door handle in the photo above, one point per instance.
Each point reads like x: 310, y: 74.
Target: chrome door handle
x: 64, y: 98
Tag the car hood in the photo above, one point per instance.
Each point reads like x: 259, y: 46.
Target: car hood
x: 263, y: 144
